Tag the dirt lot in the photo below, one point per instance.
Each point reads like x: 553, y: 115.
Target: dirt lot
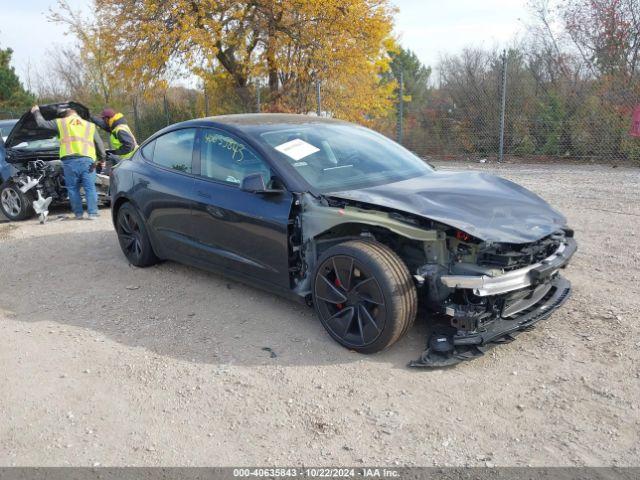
x: 102, y: 363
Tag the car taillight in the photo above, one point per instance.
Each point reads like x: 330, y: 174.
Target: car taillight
x: 462, y: 236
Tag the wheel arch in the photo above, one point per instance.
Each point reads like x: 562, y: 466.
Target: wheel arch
x: 119, y: 202
x: 115, y: 208
x: 351, y: 230
x: 117, y: 205
x: 408, y: 247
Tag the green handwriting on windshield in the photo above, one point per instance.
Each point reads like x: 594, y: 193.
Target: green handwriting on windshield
x: 237, y: 149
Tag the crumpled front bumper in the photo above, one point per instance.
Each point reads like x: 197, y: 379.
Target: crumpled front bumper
x: 559, y: 293
x: 501, y: 330
x: 484, y: 285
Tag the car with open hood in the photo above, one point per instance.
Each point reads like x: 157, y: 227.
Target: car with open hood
x: 31, y: 177
x: 341, y: 217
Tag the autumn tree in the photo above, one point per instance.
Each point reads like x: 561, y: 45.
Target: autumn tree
x: 284, y: 45
x: 605, y: 32
x: 90, y: 69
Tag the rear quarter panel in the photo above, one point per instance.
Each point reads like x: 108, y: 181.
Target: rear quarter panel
x: 159, y: 197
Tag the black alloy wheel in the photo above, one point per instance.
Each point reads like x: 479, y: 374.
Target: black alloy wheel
x: 133, y: 237
x: 364, y: 295
x: 351, y: 301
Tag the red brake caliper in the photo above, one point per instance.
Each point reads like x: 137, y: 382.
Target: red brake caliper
x: 337, y: 283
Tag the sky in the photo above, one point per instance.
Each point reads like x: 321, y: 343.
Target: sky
x: 430, y: 28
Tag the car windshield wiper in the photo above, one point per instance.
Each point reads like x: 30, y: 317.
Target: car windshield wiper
x: 336, y: 168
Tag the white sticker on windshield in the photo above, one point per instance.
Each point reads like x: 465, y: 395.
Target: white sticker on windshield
x: 297, y: 149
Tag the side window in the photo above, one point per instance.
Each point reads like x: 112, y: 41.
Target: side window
x: 228, y: 160
x: 175, y: 149
x: 147, y: 150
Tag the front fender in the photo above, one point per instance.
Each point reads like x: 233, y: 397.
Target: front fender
x: 317, y: 219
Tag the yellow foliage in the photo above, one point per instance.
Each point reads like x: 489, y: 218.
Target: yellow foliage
x: 283, y: 44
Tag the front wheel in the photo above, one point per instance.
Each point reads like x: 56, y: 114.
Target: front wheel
x: 364, y: 295
x: 133, y: 237
x: 15, y: 205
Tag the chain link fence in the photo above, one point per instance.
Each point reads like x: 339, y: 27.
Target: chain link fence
x: 487, y: 108
x: 502, y: 117
x: 503, y: 114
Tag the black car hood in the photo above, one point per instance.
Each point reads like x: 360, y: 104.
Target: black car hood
x: 488, y: 207
x: 26, y: 129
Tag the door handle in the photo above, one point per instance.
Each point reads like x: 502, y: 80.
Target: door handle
x: 203, y: 194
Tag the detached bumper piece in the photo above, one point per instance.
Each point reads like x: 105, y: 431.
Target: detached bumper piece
x: 446, y: 348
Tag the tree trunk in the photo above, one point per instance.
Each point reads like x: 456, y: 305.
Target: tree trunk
x: 271, y: 60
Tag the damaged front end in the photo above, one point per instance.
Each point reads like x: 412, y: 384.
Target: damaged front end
x: 477, y: 293
x: 42, y: 180
x: 488, y: 293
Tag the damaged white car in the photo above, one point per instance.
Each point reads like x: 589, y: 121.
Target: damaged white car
x: 31, y: 176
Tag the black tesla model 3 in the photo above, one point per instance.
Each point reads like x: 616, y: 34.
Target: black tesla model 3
x: 343, y: 218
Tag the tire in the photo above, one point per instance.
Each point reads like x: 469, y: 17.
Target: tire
x: 371, y: 302
x: 14, y: 204
x: 133, y: 237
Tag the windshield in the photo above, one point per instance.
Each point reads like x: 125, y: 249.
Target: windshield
x: 45, y: 144
x: 341, y: 157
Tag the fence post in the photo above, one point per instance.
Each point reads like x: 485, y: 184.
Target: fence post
x: 504, y: 104
x: 318, y: 98
x: 166, y: 107
x: 136, y: 117
x: 400, y: 108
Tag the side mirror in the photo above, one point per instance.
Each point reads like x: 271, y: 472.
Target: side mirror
x: 254, y: 183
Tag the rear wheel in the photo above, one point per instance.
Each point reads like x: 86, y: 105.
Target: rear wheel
x: 133, y: 237
x: 15, y: 205
x: 364, y: 295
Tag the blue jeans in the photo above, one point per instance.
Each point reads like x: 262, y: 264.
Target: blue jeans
x: 79, y: 172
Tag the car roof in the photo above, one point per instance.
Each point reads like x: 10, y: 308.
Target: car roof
x: 247, y: 122
x: 270, y: 119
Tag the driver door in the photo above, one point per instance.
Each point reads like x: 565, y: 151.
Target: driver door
x: 244, y: 232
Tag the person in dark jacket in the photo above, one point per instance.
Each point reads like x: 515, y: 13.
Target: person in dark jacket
x: 121, y: 139
x: 80, y: 148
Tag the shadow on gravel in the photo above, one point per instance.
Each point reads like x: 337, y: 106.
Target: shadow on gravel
x: 83, y: 280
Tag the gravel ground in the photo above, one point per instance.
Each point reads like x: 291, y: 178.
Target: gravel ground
x: 105, y: 364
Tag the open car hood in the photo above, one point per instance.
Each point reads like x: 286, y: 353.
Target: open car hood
x: 26, y: 129
x: 488, y: 207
